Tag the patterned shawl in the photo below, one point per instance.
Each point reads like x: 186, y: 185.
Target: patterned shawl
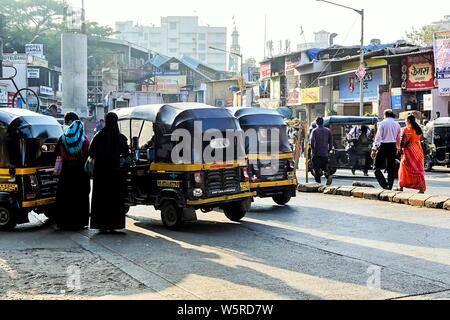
x: 73, y: 139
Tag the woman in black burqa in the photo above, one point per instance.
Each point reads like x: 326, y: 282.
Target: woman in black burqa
x: 108, y: 208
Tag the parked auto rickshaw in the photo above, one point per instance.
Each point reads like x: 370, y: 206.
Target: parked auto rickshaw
x: 271, y: 160
x: 180, y: 181
x: 347, y: 153
x: 437, y: 134
x: 27, y: 158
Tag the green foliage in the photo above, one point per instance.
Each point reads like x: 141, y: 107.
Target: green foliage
x: 422, y: 36
x: 330, y: 113
x: 40, y: 21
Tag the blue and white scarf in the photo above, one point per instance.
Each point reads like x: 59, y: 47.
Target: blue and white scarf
x: 73, y: 139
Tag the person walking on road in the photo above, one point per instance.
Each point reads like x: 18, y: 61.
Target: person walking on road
x: 412, y: 168
x: 321, y: 145
x: 72, y: 198
x: 108, y: 147
x: 385, y: 149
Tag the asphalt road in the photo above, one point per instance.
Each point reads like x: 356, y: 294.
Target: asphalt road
x: 319, y: 247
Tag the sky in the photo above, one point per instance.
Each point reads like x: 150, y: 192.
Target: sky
x: 387, y: 20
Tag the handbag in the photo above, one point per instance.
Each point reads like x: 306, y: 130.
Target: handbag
x: 58, y: 166
x: 89, y: 167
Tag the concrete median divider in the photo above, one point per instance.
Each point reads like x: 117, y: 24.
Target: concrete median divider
x: 436, y: 202
x: 370, y: 193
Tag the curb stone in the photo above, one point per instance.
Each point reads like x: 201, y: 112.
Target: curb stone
x: 345, y: 191
x: 403, y: 197
x: 331, y: 190
x: 373, y: 194
x: 359, y: 192
x: 436, y: 202
x: 388, y: 195
x: 447, y: 205
x: 309, y: 187
x: 418, y: 200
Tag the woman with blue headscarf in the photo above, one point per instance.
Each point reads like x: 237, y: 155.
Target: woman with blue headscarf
x: 72, y: 198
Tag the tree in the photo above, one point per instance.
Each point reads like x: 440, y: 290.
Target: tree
x: 423, y: 36
x: 40, y: 21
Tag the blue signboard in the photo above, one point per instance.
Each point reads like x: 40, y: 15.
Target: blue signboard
x: 397, y: 102
x: 349, y: 87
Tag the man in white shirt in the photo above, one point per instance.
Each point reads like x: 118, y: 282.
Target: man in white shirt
x: 387, y: 143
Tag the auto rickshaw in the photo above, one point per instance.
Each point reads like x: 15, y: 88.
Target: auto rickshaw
x: 437, y: 135
x: 180, y: 181
x: 271, y: 159
x: 27, y: 158
x: 347, y: 154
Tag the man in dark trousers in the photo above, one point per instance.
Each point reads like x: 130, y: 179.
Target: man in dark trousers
x: 321, y: 145
x: 385, y: 149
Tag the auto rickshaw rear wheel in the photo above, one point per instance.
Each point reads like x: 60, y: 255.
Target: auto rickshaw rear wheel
x: 171, y: 215
x: 7, y: 219
x: 282, y: 200
x: 236, y: 211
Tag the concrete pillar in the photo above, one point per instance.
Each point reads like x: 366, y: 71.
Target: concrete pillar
x: 74, y: 73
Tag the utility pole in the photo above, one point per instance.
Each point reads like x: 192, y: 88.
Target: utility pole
x: 362, y: 69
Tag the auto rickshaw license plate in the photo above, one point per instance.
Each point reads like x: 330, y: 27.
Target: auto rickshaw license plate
x: 169, y: 184
x: 9, y: 187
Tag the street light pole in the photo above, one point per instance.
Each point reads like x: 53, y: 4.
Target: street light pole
x: 362, y: 65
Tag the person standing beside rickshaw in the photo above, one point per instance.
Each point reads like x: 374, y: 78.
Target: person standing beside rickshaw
x: 386, y: 147
x: 108, y: 148
x: 321, y: 145
x: 72, y: 198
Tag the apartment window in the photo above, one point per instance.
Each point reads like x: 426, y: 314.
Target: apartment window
x: 202, y: 37
x: 202, y: 47
x: 173, y: 26
x: 173, y: 40
x: 173, y: 50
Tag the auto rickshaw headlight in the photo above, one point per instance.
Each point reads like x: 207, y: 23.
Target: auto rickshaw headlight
x: 197, y: 193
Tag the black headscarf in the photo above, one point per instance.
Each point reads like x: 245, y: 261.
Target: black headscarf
x: 112, y: 133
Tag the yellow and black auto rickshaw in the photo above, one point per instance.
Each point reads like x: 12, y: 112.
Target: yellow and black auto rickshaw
x: 27, y: 158
x: 271, y: 159
x: 437, y: 135
x: 186, y: 157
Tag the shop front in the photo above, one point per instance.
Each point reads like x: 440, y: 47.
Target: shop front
x: 313, y: 102
x: 418, y: 82
x: 349, y: 92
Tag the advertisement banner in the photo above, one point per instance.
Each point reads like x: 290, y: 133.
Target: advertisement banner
x: 167, y: 85
x: 442, y: 61
x: 266, y: 70
x: 420, y: 72
x: 19, y: 58
x: 294, y: 97
x: 310, y: 95
x: 428, y: 102
x: 291, y: 63
x: 46, y: 91
x: 349, y: 87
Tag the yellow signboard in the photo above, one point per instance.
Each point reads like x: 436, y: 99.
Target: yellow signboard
x: 310, y: 95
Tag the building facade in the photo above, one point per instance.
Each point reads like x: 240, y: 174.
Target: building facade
x: 179, y: 36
